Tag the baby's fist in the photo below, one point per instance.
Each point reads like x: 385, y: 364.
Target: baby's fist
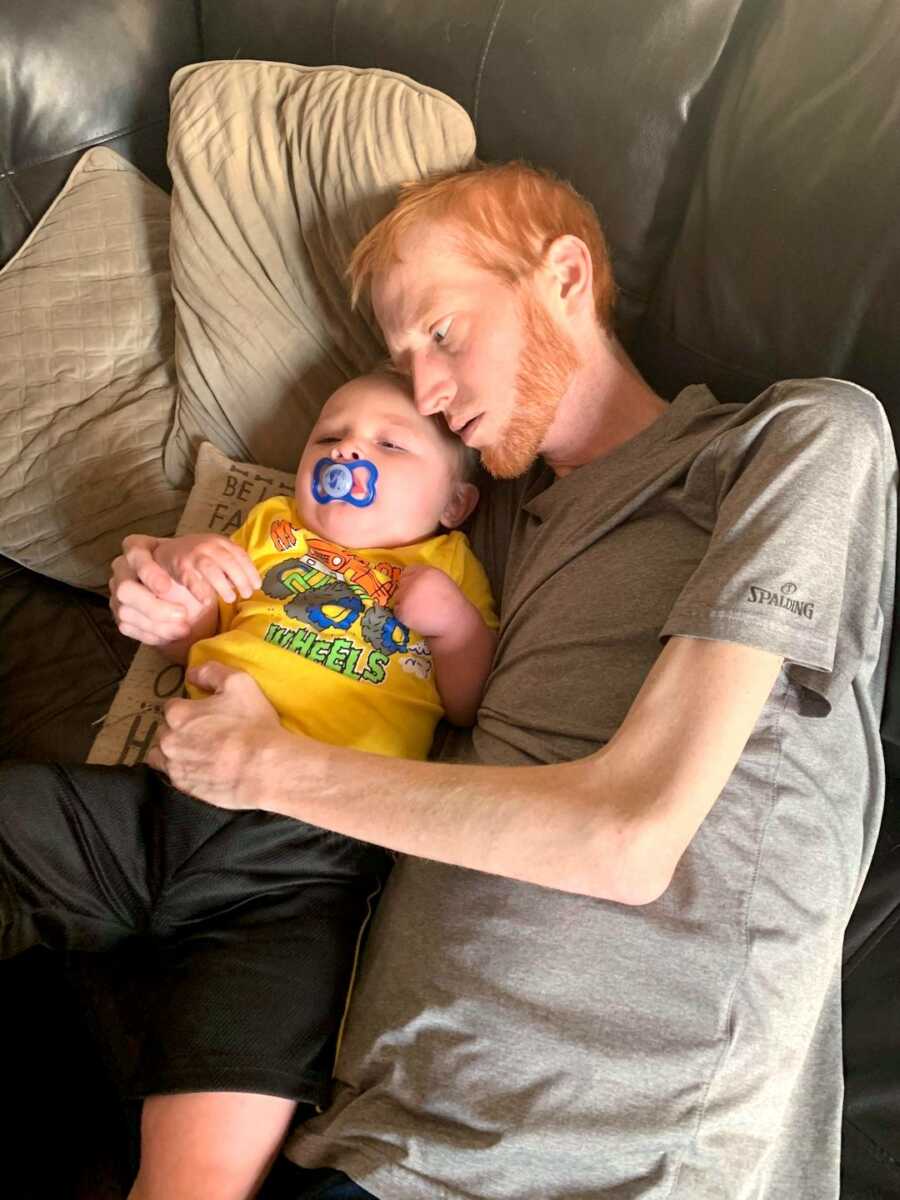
x: 428, y: 601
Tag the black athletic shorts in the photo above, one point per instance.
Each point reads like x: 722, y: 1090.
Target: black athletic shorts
x: 251, y: 921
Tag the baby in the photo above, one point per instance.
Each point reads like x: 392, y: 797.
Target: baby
x: 362, y: 622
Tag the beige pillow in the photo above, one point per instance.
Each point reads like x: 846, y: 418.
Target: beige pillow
x: 87, y: 384
x: 278, y: 171
x: 224, y: 491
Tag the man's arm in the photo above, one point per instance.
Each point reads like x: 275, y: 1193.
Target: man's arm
x: 613, y: 825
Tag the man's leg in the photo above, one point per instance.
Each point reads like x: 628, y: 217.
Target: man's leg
x: 209, y: 1145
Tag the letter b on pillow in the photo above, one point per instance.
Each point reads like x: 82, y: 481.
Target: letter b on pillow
x: 279, y: 170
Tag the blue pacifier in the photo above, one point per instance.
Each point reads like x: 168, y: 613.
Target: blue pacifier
x: 336, y: 480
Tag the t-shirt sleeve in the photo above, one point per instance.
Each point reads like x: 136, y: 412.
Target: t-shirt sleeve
x: 468, y: 573
x: 799, y: 559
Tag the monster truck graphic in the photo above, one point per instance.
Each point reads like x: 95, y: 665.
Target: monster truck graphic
x: 328, y: 588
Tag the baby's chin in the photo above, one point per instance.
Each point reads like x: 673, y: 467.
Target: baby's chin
x: 340, y: 522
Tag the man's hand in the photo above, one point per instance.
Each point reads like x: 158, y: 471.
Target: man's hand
x: 223, y: 749
x: 428, y: 601
x: 208, y: 564
x: 146, y: 601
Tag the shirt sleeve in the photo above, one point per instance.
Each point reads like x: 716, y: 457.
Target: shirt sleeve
x: 470, y: 576
x: 800, y: 558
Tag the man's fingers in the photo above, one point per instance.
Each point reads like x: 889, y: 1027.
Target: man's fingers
x: 156, y: 636
x: 152, y: 575
x: 211, y: 676
x: 177, y: 712
x: 136, y: 606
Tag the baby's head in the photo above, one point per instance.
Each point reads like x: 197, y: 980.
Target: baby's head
x: 423, y: 470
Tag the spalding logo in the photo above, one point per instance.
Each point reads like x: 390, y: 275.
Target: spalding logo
x: 782, y: 599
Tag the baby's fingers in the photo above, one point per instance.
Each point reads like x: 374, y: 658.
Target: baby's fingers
x: 230, y: 570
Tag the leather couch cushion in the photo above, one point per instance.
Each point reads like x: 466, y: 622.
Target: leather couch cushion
x: 87, y: 384
x: 278, y: 171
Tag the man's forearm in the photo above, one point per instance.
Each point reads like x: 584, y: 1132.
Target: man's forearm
x: 545, y: 825
x: 613, y: 825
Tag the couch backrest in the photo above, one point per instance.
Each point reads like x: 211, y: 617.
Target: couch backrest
x: 744, y: 155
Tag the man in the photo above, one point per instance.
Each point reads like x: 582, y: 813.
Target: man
x: 614, y: 973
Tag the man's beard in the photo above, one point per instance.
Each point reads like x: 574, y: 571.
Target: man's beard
x: 546, y: 366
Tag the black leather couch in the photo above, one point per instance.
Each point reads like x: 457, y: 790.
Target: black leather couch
x: 744, y: 156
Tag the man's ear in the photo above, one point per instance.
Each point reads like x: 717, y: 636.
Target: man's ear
x: 461, y: 503
x: 568, y: 274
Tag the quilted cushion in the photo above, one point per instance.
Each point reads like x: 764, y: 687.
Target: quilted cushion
x: 224, y: 491
x: 87, y: 384
x: 278, y: 171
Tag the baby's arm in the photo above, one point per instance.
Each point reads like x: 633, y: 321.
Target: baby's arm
x: 202, y: 568
x: 462, y: 647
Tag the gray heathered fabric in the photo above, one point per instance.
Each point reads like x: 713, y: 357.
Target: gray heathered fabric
x: 508, y: 1041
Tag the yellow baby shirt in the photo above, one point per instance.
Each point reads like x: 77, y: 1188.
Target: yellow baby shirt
x: 321, y: 640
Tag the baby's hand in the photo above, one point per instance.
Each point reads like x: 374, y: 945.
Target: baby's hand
x: 428, y: 601
x: 208, y: 564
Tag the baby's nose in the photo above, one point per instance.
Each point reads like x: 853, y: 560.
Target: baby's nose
x: 345, y: 449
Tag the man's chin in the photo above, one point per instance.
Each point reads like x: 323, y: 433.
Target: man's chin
x: 505, y: 462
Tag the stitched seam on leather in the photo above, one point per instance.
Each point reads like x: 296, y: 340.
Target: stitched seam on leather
x: 51, y: 716
x: 876, y: 1149
x: 114, y: 660
x: 19, y: 202
x: 487, y: 45
x: 748, y: 372
x: 101, y: 141
x: 201, y: 31
x: 881, y: 930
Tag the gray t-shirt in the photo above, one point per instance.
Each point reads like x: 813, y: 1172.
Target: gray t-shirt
x: 516, y: 1042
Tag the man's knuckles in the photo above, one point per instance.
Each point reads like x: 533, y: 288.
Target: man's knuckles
x: 178, y: 711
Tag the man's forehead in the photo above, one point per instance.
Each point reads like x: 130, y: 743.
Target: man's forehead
x: 429, y: 265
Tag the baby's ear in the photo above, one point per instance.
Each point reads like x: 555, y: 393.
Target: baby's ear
x: 461, y: 503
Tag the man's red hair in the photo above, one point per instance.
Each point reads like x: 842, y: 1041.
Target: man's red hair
x: 508, y: 215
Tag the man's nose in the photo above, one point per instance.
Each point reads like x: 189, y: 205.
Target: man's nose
x: 433, y: 388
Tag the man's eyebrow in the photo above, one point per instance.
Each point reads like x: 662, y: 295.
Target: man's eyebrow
x: 416, y: 316
x: 429, y: 302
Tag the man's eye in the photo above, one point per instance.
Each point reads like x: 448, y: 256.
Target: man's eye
x: 439, y: 332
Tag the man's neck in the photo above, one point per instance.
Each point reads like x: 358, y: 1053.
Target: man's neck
x: 607, y: 404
